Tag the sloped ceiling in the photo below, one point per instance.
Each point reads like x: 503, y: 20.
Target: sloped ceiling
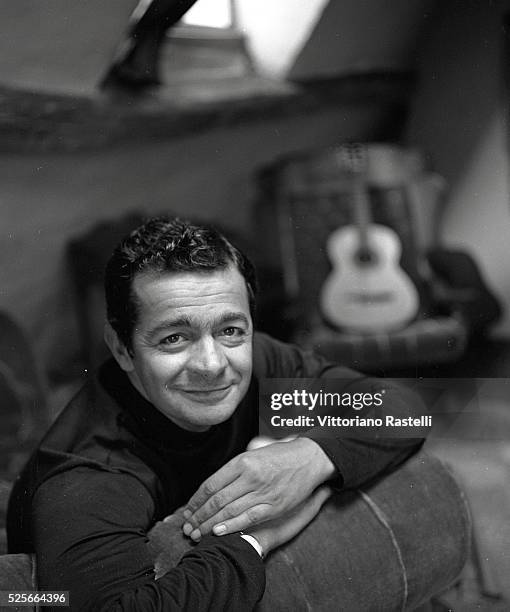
x: 60, y: 45
x: 314, y: 38
x: 363, y: 35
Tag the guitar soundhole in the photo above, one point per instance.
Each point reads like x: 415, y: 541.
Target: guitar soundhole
x: 365, y: 257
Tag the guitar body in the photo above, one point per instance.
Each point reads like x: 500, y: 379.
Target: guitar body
x: 367, y: 291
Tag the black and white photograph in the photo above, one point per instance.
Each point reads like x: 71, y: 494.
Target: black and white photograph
x: 255, y: 305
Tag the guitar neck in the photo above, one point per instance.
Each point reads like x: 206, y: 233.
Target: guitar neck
x: 361, y: 212
x: 353, y: 158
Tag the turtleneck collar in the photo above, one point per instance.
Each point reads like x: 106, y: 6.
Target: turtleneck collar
x: 143, y: 416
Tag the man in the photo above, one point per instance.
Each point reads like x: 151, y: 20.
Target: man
x: 166, y: 424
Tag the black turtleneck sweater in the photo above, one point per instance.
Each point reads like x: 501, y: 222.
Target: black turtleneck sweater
x: 112, y: 465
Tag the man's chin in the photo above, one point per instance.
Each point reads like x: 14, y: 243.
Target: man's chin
x: 199, y: 412
x: 201, y: 418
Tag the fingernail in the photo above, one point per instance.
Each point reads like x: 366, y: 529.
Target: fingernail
x: 187, y: 514
x: 187, y: 529
x: 196, y: 535
x: 167, y: 519
x: 219, y: 529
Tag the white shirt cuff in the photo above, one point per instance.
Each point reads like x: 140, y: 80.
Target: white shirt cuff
x: 254, y: 542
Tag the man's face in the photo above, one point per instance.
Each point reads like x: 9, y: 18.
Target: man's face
x: 192, y: 344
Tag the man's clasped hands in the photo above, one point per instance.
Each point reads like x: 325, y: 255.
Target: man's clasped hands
x: 271, y: 492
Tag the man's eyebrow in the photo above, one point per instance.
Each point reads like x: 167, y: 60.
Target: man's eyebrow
x: 231, y: 317
x: 180, y: 321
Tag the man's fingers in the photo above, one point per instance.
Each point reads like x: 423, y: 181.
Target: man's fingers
x: 215, y: 483
x: 222, y: 502
x: 276, y: 477
x: 244, y: 474
x: 227, y: 519
x: 257, y: 514
x: 252, y: 516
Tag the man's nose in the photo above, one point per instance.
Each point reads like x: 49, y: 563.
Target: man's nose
x: 208, y: 358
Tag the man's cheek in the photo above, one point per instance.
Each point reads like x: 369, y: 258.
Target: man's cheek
x: 240, y: 359
x: 246, y: 357
x: 167, y: 369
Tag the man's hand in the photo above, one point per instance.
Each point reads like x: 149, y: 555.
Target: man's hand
x: 274, y: 533
x: 257, y: 486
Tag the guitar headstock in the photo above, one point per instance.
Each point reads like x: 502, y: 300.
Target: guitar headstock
x: 352, y: 157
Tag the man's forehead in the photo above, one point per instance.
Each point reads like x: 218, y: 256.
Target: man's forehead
x: 154, y: 290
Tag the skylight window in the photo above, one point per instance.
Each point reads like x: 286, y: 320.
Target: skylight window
x: 210, y: 13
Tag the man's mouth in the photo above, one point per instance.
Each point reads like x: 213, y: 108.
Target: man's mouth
x: 212, y: 394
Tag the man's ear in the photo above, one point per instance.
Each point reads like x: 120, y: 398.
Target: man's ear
x: 118, y: 348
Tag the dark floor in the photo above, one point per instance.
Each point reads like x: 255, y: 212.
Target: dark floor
x: 482, y: 466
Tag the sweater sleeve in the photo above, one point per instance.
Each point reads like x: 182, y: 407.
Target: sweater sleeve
x: 90, y: 534
x: 361, y: 459
x: 357, y: 460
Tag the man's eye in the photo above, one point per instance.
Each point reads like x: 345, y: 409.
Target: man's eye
x: 233, y: 331
x: 172, y: 339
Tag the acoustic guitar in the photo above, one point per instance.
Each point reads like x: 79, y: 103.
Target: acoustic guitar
x: 367, y: 291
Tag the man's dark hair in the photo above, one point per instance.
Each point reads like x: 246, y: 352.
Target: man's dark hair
x: 166, y: 244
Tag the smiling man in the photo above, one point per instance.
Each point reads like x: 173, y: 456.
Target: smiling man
x: 167, y: 424
x: 191, y: 353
